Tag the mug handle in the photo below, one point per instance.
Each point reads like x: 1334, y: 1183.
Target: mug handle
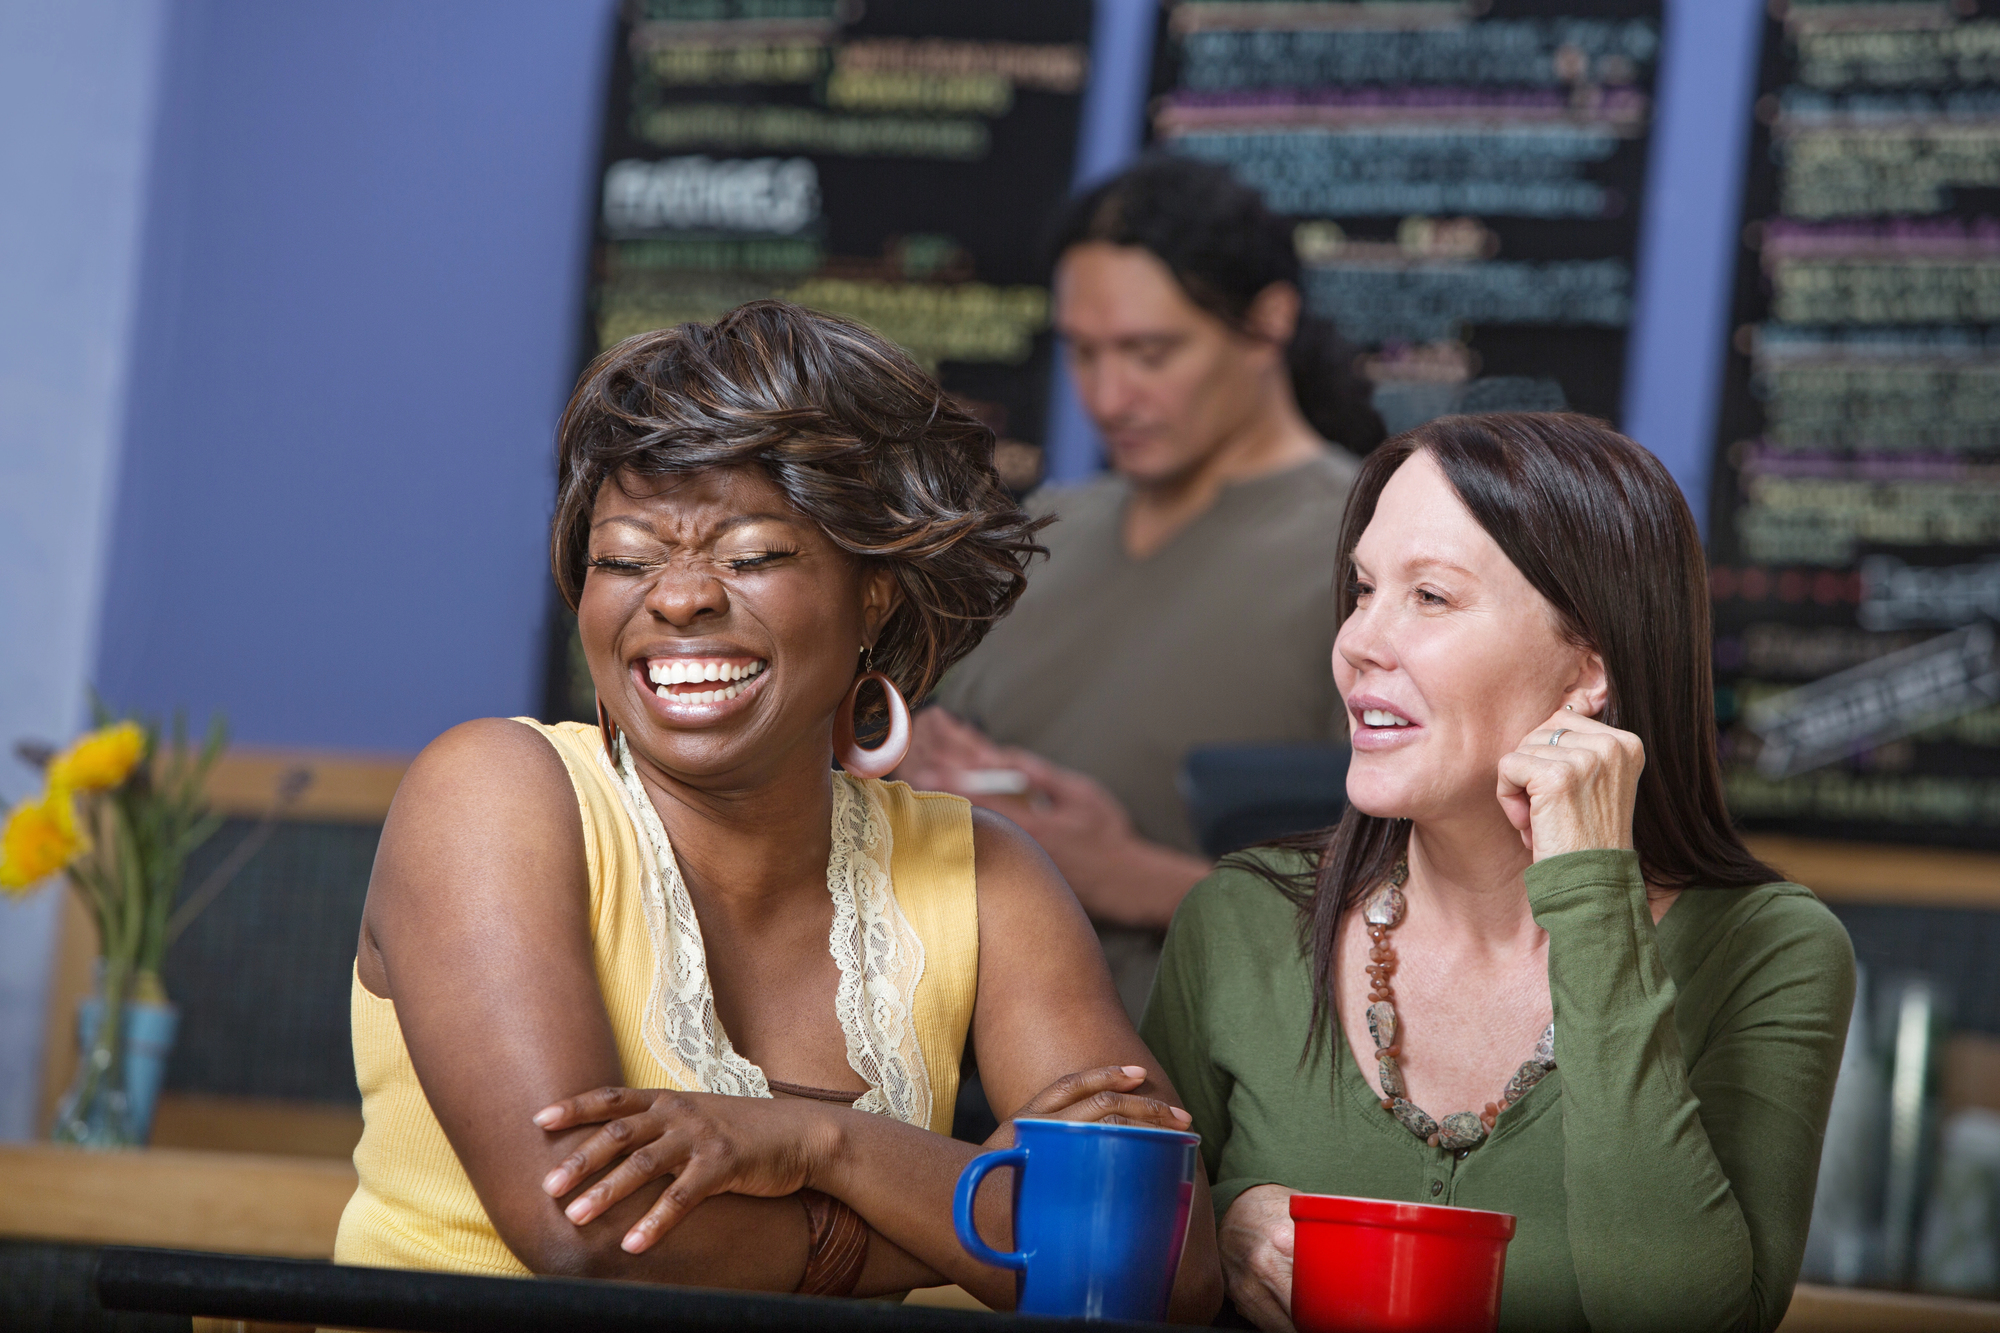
x: 961, y: 1208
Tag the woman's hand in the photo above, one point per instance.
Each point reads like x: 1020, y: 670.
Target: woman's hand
x: 708, y: 1144
x: 1256, y: 1241
x: 1104, y: 1095
x: 1577, y: 793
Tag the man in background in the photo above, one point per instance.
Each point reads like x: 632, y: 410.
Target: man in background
x: 1188, y: 595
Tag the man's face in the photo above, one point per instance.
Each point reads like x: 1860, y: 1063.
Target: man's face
x: 1167, y: 383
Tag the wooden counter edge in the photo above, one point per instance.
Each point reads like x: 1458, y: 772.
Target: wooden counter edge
x: 357, y: 787
x: 1818, y: 1309
x: 233, y: 1203
x: 1866, y: 872
x: 346, y: 787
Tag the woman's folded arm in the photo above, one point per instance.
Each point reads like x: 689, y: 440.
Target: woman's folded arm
x: 1673, y: 1170
x: 477, y: 926
x: 1049, y: 1031
x: 1053, y: 1042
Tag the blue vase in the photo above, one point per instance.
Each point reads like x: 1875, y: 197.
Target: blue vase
x: 148, y: 1039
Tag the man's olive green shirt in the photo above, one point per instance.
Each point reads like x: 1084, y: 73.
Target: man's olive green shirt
x: 1663, y: 1174
x: 1117, y: 667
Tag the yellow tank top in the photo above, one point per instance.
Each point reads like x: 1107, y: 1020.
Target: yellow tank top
x: 415, y: 1207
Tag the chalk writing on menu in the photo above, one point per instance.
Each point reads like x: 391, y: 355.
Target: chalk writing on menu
x: 1855, y: 512
x: 1465, y: 176
x: 894, y: 162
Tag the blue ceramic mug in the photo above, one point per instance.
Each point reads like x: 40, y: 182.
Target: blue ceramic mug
x: 1100, y: 1215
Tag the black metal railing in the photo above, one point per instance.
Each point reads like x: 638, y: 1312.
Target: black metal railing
x: 224, y: 1286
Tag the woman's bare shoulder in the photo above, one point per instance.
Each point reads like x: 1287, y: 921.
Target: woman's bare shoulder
x: 1024, y: 902
x: 483, y: 827
x: 1009, y: 864
x: 489, y: 766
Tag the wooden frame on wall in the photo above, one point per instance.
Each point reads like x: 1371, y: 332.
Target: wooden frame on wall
x: 1863, y: 872
x: 345, y: 788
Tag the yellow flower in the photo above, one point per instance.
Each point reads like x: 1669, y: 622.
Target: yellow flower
x: 100, y: 760
x: 39, y: 839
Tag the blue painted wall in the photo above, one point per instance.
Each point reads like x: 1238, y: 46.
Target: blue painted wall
x: 77, y: 94
x: 1688, y: 236
x: 357, y: 327
x: 289, y: 301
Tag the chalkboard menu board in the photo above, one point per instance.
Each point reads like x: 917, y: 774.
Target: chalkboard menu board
x: 1855, y: 510
x: 893, y: 161
x: 1466, y: 176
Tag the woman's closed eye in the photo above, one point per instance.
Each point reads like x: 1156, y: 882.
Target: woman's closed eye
x: 759, y: 560
x: 621, y: 564
x: 630, y: 564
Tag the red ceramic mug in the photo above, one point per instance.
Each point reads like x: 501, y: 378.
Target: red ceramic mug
x: 1376, y: 1266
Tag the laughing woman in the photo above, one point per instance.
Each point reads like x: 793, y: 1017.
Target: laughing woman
x: 767, y: 970
x: 1533, y: 969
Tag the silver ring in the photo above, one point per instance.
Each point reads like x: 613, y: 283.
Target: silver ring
x: 1555, y: 737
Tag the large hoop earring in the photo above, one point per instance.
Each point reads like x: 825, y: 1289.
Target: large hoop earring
x: 608, y: 730
x: 881, y: 761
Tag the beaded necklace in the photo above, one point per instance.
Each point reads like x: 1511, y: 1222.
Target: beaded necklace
x: 1461, y: 1131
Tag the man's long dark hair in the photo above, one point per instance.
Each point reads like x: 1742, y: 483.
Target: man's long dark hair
x: 1598, y: 527
x: 1224, y: 247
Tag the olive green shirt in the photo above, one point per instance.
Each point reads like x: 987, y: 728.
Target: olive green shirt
x: 1118, y: 667
x: 1662, y: 1175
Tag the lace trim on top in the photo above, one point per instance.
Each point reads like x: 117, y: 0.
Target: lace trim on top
x: 880, y: 957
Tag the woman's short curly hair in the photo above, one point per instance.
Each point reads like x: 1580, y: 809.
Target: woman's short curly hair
x: 856, y: 436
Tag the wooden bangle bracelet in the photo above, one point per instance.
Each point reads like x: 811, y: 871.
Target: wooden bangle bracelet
x: 837, y: 1248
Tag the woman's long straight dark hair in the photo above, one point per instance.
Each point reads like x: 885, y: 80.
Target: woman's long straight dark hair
x: 1599, y: 528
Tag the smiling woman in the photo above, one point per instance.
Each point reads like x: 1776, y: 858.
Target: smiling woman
x: 1533, y: 970
x: 671, y: 999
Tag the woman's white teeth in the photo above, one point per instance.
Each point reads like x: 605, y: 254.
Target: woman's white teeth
x: 700, y: 696
x: 689, y: 671
x: 685, y: 672
x: 1380, y: 717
